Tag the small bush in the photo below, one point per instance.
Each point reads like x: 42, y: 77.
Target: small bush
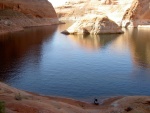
x: 2, y: 107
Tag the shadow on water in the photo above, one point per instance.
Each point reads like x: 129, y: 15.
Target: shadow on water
x: 93, y: 42
x: 16, y: 47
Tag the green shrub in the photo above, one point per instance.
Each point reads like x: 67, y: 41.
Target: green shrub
x: 2, y: 107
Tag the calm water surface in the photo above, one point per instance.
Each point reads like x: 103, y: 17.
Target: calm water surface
x: 43, y: 60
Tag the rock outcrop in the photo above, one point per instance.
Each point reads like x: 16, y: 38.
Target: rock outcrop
x: 83, y: 11
x: 17, y: 14
x: 93, y: 24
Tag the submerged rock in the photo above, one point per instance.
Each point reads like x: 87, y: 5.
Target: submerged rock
x: 93, y: 24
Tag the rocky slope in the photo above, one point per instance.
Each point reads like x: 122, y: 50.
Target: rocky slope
x: 17, y: 14
x: 123, y: 12
x: 13, y: 100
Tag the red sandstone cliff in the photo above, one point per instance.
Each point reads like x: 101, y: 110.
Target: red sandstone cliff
x: 17, y: 14
x: 137, y: 14
x: 33, y: 8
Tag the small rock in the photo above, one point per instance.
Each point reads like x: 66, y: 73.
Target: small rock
x: 7, y: 23
x: 65, y: 32
x: 128, y: 109
x: 147, y: 102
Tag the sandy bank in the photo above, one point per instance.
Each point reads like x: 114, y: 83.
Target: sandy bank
x: 17, y: 101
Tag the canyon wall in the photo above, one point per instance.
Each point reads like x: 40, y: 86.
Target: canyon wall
x: 138, y: 14
x: 33, y: 8
x: 17, y: 14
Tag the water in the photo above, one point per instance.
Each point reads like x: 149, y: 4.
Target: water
x: 43, y: 60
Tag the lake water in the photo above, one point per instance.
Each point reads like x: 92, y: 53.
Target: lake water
x: 42, y: 60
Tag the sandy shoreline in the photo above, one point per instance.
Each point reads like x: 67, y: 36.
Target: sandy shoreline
x: 18, y: 101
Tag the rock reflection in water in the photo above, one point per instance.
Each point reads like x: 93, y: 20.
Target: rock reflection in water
x: 93, y: 42
x: 137, y: 42
x: 140, y: 47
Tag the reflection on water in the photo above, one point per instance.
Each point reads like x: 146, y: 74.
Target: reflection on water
x: 93, y: 42
x: 45, y: 61
x: 137, y: 41
x: 140, y: 47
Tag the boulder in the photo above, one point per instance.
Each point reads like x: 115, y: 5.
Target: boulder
x: 93, y: 24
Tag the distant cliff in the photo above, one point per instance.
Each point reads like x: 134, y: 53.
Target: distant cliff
x: 127, y: 13
x: 17, y: 14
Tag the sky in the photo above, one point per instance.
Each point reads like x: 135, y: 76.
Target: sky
x: 57, y: 2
